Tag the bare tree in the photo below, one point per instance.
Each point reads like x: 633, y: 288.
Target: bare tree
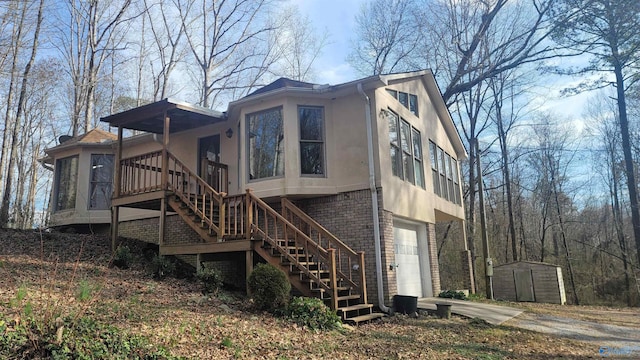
x: 551, y: 163
x: 386, y: 37
x: 607, y: 30
x: 300, y: 46
x: 87, y: 32
x: 6, y: 196
x: 228, y: 41
x: 167, y: 32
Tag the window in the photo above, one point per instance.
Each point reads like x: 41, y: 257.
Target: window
x: 405, y: 150
x: 441, y: 170
x: 407, y: 156
x: 101, y: 184
x: 410, y: 101
x: 452, y: 195
x: 417, y: 158
x: 446, y: 179
x: 413, y: 104
x: 266, y: 144
x: 66, y: 183
x: 434, y: 167
x: 456, y: 180
x: 311, y: 120
x: 396, y: 161
x: 403, y: 97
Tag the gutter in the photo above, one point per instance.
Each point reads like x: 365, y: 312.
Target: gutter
x: 374, y: 200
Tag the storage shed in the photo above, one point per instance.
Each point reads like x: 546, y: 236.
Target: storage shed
x: 529, y: 281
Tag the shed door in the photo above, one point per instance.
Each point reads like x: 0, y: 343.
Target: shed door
x: 524, y: 285
x: 407, y: 260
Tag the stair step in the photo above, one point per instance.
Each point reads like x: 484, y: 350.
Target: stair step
x: 348, y: 297
x: 355, y: 307
x: 367, y: 317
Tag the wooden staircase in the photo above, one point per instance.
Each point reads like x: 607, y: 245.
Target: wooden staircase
x: 317, y: 263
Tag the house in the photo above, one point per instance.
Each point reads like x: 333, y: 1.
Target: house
x: 339, y: 185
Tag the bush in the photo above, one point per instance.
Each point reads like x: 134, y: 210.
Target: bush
x: 452, y: 294
x: 269, y: 287
x: 122, y: 257
x: 211, y: 280
x: 312, y: 313
x: 162, y: 266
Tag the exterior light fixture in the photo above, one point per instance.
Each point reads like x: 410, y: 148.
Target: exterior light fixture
x: 229, y: 133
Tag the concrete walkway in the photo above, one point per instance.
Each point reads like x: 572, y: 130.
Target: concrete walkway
x: 493, y: 314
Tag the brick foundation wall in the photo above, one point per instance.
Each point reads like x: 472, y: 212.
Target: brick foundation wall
x: 177, y: 231
x: 433, y: 259
x: 349, y: 217
x: 147, y: 230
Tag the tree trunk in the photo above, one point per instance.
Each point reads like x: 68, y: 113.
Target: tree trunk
x: 628, y: 158
x: 4, y: 210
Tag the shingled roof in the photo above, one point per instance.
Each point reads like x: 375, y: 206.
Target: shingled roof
x: 282, y: 83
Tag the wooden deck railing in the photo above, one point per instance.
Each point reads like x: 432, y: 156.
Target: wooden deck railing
x: 144, y: 173
x: 283, y: 236
x: 141, y: 174
x: 349, y: 264
x: 215, y: 174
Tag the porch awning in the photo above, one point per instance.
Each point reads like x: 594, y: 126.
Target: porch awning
x: 150, y: 117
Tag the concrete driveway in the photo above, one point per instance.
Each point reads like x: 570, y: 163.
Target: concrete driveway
x: 493, y: 314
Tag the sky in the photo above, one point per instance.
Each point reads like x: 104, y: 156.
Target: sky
x: 337, y: 18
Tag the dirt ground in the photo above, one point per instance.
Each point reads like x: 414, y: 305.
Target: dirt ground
x: 69, y: 275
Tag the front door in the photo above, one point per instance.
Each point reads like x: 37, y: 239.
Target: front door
x: 407, y: 260
x: 209, y: 160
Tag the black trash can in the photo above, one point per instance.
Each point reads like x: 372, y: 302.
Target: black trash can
x: 405, y: 304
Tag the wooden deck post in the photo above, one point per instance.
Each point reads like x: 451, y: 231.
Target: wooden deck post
x: 165, y: 150
x: 163, y: 221
x: 333, y: 279
x: 249, y: 214
x: 248, y: 266
x: 363, y: 279
x: 115, y: 212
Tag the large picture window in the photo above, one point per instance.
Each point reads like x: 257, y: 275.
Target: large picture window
x: 101, y: 185
x: 266, y: 144
x: 311, y: 121
x: 66, y: 183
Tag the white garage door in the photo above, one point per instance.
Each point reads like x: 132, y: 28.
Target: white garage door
x: 407, y: 260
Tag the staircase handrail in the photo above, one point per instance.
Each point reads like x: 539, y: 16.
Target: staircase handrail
x: 177, y: 185
x: 322, y: 253
x: 354, y: 259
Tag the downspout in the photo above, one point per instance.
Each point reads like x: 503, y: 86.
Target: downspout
x: 374, y: 200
